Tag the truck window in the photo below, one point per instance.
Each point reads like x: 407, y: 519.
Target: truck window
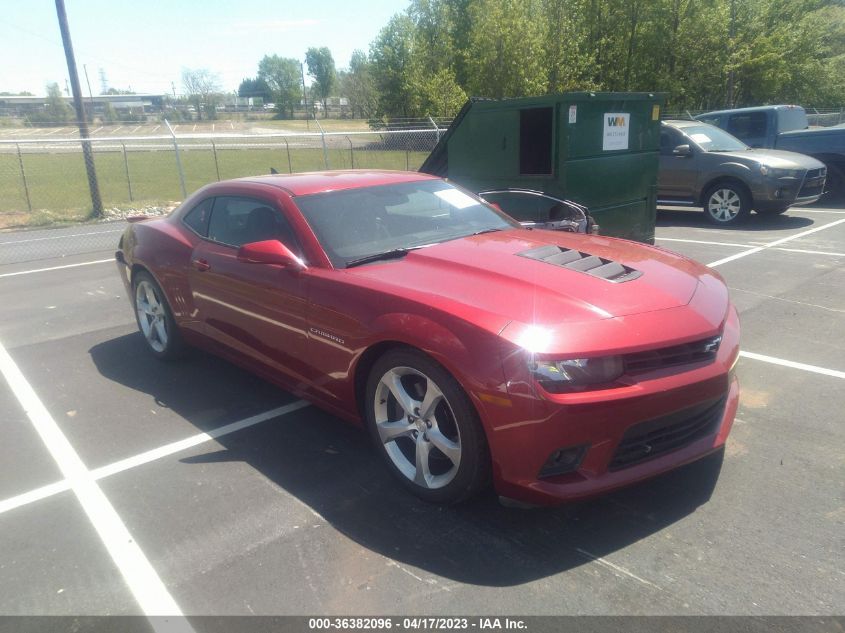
x: 791, y: 119
x: 535, y: 141
x: 748, y: 125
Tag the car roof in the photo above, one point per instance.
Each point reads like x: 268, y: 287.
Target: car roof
x: 679, y: 123
x: 752, y: 109
x: 324, y: 181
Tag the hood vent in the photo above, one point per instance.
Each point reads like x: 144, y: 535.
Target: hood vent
x: 582, y: 262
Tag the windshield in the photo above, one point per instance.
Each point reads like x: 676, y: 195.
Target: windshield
x: 713, y: 139
x: 357, y: 223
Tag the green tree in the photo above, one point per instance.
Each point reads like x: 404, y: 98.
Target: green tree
x: 321, y: 67
x: 390, y: 56
x: 284, y: 76
x: 506, y: 57
x: 357, y: 85
x: 255, y: 88
x: 57, y: 110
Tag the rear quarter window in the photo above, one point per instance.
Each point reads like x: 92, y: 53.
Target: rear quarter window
x: 197, y: 218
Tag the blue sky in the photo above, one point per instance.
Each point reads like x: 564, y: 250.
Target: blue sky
x: 146, y: 45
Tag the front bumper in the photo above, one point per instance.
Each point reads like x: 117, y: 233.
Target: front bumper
x: 600, y: 420
x: 779, y: 192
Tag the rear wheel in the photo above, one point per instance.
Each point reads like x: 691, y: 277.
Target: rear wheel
x: 155, y: 320
x: 726, y: 203
x: 425, y: 427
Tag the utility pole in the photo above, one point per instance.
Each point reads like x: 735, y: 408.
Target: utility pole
x: 90, y: 96
x: 304, y: 95
x: 88, y: 154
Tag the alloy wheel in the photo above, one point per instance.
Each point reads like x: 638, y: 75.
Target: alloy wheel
x: 416, y: 425
x: 724, y: 205
x: 152, y: 317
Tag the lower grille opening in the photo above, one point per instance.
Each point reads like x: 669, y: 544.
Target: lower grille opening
x: 665, y: 434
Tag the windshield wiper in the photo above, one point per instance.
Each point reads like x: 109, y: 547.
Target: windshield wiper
x: 391, y: 254
x: 491, y: 230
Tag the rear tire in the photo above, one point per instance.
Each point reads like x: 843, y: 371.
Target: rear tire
x: 727, y: 203
x: 425, y: 427
x: 154, y: 318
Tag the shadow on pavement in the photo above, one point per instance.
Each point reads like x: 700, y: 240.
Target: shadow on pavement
x: 331, y: 466
x: 754, y: 222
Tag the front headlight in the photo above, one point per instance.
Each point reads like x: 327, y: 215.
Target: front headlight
x: 577, y: 373
x: 781, y: 173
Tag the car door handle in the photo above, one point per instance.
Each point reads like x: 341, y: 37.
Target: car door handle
x: 201, y: 265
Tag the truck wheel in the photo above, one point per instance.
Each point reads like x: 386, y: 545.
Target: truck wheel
x: 726, y: 203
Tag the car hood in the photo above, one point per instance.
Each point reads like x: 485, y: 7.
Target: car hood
x: 774, y: 158
x: 495, y: 274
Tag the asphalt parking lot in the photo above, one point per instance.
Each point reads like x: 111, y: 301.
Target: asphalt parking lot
x: 197, y: 488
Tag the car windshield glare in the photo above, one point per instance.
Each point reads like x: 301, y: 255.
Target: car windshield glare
x: 357, y: 223
x: 712, y: 139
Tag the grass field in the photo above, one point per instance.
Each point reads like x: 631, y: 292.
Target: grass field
x: 58, y: 187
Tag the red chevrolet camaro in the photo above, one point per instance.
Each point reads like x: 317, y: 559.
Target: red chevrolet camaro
x: 557, y: 365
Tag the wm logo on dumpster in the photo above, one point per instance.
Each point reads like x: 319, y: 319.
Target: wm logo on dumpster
x: 616, y: 121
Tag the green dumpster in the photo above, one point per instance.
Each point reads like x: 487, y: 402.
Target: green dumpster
x: 597, y: 149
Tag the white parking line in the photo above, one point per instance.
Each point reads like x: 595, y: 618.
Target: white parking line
x: 59, y: 237
x: 835, y: 373
x: 143, y: 581
x: 801, y: 250
x: 784, y: 240
x: 157, y: 453
x: 777, y: 248
x: 43, y: 270
x: 675, y: 239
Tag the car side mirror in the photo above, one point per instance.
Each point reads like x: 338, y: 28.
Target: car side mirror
x: 682, y: 150
x: 269, y: 252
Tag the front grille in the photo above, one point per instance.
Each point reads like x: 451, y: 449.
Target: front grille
x: 662, y: 435
x: 813, y: 183
x: 695, y: 352
x: 582, y: 262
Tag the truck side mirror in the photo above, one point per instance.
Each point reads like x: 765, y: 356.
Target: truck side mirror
x: 682, y: 150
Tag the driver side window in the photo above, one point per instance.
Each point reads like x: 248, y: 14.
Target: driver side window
x: 669, y: 140
x: 236, y: 221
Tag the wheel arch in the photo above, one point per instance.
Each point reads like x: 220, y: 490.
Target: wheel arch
x: 727, y: 180
x: 374, y: 352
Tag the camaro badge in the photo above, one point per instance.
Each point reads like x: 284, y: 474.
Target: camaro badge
x: 324, y: 334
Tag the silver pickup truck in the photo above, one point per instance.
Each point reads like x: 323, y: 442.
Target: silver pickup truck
x: 704, y: 166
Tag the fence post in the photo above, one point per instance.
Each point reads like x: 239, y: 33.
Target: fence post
x: 287, y: 147
x: 126, y: 167
x: 407, y: 159
x: 178, y: 160
x: 23, y: 177
x: 323, y: 136
x: 351, y: 152
x: 435, y: 127
x: 216, y: 166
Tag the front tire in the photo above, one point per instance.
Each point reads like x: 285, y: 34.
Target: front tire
x: 425, y: 428
x: 726, y: 203
x: 154, y: 318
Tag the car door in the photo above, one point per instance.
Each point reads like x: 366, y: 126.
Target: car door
x: 677, y: 177
x: 534, y: 208
x: 255, y: 310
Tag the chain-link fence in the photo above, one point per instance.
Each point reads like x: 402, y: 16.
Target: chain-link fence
x: 43, y: 182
